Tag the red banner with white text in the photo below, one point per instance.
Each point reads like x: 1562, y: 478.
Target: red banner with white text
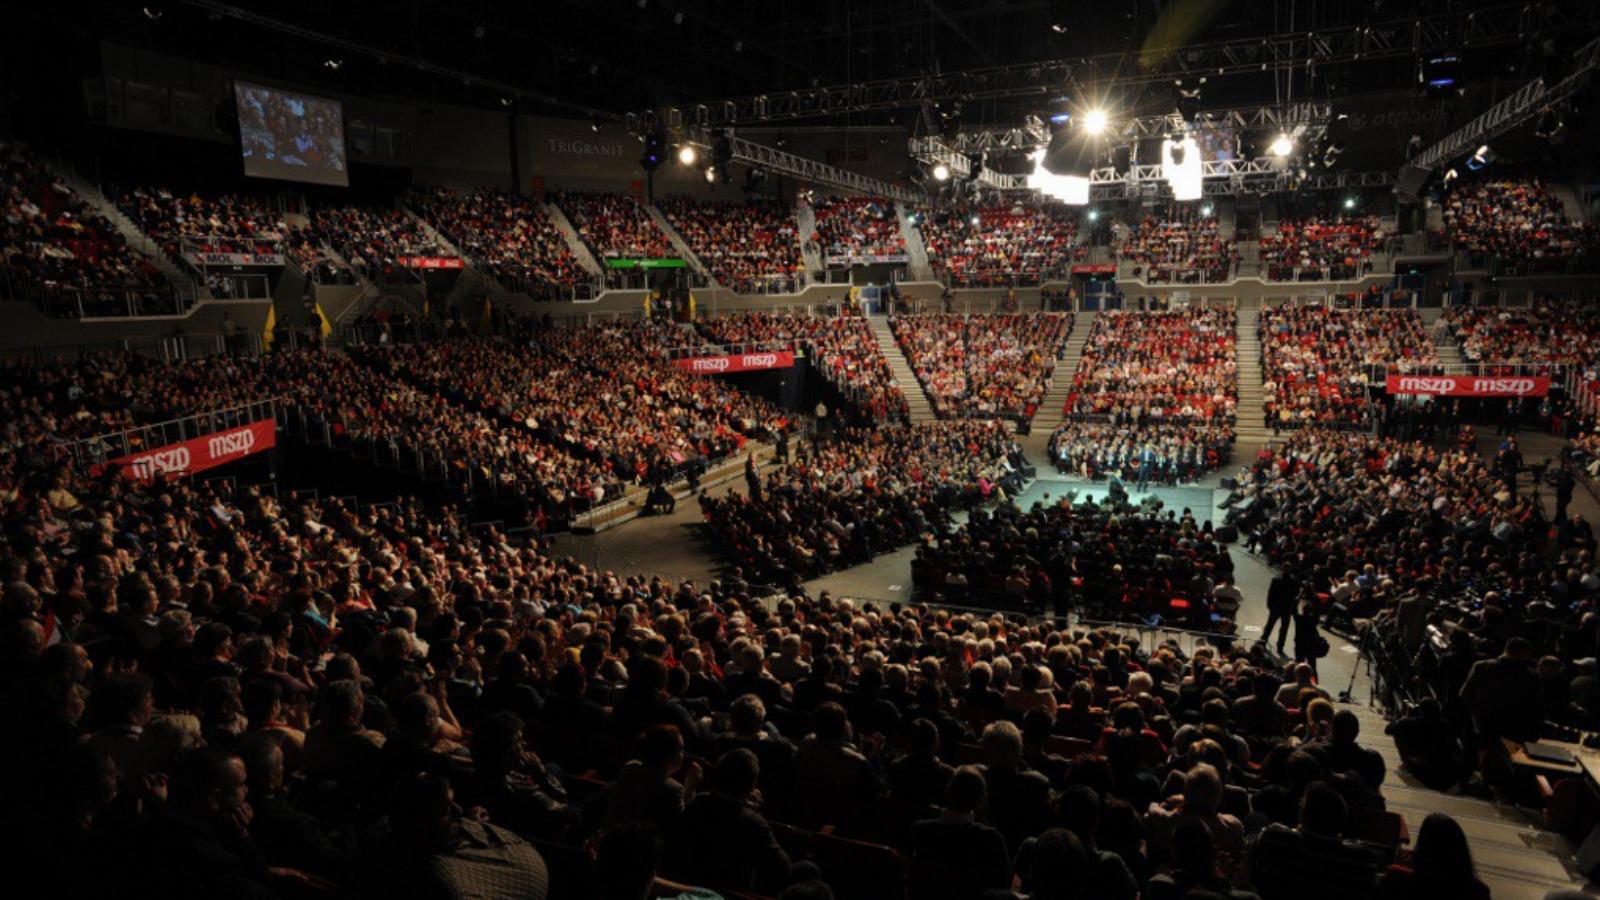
x: 1470, y: 385
x: 431, y: 262
x: 738, y: 362
x: 196, y: 455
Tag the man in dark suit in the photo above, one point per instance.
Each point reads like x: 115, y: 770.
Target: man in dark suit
x: 955, y: 855
x: 1282, y: 595
x: 723, y: 842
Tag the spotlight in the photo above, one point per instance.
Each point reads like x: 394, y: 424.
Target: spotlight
x: 711, y: 174
x: 975, y: 221
x: 655, y: 149
x: 1550, y: 124
x: 1094, y: 214
x: 1282, y: 146
x: 334, y: 64
x: 1481, y: 157
x: 688, y: 155
x: 722, y: 152
x: 594, y: 125
x: 153, y: 13
x: 1205, y: 210
x: 1349, y: 203
x: 1094, y: 121
x: 941, y: 172
x: 505, y: 101
x: 1451, y: 175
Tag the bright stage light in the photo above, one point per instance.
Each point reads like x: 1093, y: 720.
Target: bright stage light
x: 1205, y: 210
x: 687, y: 155
x: 941, y: 172
x: 1282, y: 146
x: 1349, y: 203
x: 1072, y: 190
x: 711, y: 174
x: 1095, y: 121
x: 1182, y: 169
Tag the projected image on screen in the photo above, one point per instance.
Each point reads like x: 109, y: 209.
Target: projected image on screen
x: 291, y: 136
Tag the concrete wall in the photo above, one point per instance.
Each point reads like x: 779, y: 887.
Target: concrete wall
x: 23, y: 329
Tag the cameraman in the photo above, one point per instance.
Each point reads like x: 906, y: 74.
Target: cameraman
x: 1564, y: 482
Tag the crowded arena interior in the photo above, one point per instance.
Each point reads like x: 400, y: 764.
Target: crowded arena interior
x: 846, y: 451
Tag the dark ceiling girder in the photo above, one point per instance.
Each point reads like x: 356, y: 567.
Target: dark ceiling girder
x: 1398, y: 39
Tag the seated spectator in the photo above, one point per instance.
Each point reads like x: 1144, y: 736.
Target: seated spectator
x: 955, y: 855
x: 1312, y: 860
x: 507, y: 235
x: 1441, y: 866
x: 1317, y: 361
x: 985, y: 366
x: 723, y: 841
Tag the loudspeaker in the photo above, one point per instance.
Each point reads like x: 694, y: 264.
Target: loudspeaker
x: 1227, y: 534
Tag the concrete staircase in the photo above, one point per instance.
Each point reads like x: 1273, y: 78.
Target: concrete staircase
x: 1449, y: 351
x: 574, y: 243
x: 189, y: 287
x: 906, y: 379
x: 1252, y: 423
x: 1570, y: 204
x: 678, y: 243
x: 1052, y: 410
x: 1513, y: 856
x: 917, y: 264
x: 805, y: 218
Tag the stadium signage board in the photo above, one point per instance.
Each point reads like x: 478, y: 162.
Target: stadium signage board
x: 737, y: 362
x: 670, y: 262
x: 235, y: 259
x: 865, y: 259
x: 1094, y: 269
x: 1470, y: 385
x: 431, y: 262
x: 195, y: 455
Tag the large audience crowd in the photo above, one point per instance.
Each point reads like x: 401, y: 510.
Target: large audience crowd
x: 295, y: 696
x: 1318, y: 248
x: 1318, y: 361
x: 751, y: 247
x: 1481, y: 607
x: 856, y: 228
x: 55, y: 247
x: 510, y: 237
x: 864, y: 491
x: 999, y: 246
x: 1539, y: 336
x: 843, y: 348
x: 1519, y: 222
x: 1177, y: 246
x: 983, y: 365
x: 614, y: 226
x: 1154, y: 397
x: 605, y: 393
x: 375, y: 241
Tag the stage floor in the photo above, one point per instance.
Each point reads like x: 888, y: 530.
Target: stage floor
x: 1203, y: 500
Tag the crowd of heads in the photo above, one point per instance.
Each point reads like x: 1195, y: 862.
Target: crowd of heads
x: 604, y: 394
x: 508, y: 236
x: 372, y: 240
x: 1316, y: 248
x: 1317, y: 361
x: 614, y: 226
x: 1000, y: 245
x: 1519, y: 222
x: 1178, y: 246
x: 857, y: 227
x: 983, y: 365
x: 1485, y: 605
x: 1542, y: 335
x: 865, y: 491
x: 842, y: 349
x: 750, y: 247
x: 55, y: 245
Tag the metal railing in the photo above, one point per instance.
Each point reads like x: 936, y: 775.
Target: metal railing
x: 117, y: 444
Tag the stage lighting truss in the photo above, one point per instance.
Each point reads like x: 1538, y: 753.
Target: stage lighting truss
x: 1219, y: 178
x: 1408, y: 37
